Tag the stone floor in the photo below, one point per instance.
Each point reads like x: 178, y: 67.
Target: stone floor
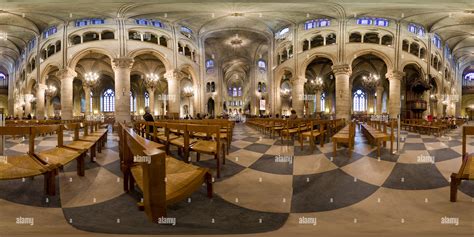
x: 267, y: 187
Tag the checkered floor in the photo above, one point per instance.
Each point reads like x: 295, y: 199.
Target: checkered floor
x: 266, y: 176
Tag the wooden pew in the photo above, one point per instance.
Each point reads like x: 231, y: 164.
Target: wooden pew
x: 345, y: 135
x: 164, y: 180
x: 27, y: 165
x: 60, y: 155
x: 378, y: 134
x: 466, y: 172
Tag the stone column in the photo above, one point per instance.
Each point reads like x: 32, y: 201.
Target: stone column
x: 87, y: 96
x: 317, y: 107
x: 378, y: 109
x: 173, y: 91
x: 122, y: 68
x: 426, y: 97
x: 48, y: 107
x: 342, y: 72
x: 297, y: 94
x: 151, y: 98
x: 66, y: 75
x: 27, y: 107
x: 40, y: 101
x: 394, y: 102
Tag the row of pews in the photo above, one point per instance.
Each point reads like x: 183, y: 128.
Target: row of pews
x: 436, y: 127
x: 49, y: 162
x: 377, y: 133
x: 209, y: 136
x: 163, y: 180
x: 287, y: 129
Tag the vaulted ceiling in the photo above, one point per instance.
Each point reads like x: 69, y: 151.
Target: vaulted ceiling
x: 452, y: 20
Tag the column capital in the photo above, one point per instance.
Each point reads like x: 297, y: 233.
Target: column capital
x: 342, y: 69
x: 173, y: 74
x: 66, y: 73
x: 42, y: 87
x: 124, y: 62
x: 300, y: 79
x: 395, y: 75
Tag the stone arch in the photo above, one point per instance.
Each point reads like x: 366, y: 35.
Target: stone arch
x: 377, y: 53
x: 308, y: 60
x: 72, y: 63
x: 47, y: 69
x: 154, y: 52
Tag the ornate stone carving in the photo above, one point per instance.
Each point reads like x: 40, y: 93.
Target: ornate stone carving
x: 124, y: 62
x: 298, y: 80
x: 173, y: 74
x: 341, y: 69
x: 395, y: 75
x: 66, y: 73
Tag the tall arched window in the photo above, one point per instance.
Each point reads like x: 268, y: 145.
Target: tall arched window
x: 360, y: 101
x: 323, y: 102
x: 108, y: 101
x: 147, y: 99
x: 133, y: 102
x: 240, y: 91
x: 234, y: 91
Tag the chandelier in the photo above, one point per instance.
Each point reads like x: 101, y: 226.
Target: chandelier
x: 151, y: 80
x: 91, y: 79
x: 317, y: 84
x: 236, y: 41
x: 50, y: 91
x: 285, y: 92
x: 370, y: 82
x: 188, y: 91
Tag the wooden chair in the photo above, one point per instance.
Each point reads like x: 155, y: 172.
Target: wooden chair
x: 77, y: 144
x: 312, y: 134
x: 466, y: 172
x: 291, y: 128
x: 210, y: 147
x: 182, y: 142
x: 164, y: 180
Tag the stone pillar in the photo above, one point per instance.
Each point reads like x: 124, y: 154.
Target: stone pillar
x: 173, y: 91
x: 151, y: 98
x: 87, y: 96
x: 27, y: 107
x: 317, y: 107
x: 297, y: 94
x: 48, y: 106
x: 378, y: 109
x: 426, y: 97
x: 342, y: 73
x: 40, y: 112
x: 394, y: 102
x: 122, y: 67
x: 66, y: 75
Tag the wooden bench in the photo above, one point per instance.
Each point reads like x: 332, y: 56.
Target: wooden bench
x: 466, y: 172
x: 345, y: 135
x: 163, y: 180
x: 27, y: 165
x: 60, y: 155
x: 376, y: 133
